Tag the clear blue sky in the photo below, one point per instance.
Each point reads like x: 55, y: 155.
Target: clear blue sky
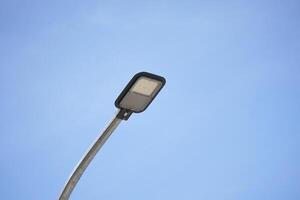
x: 226, y: 125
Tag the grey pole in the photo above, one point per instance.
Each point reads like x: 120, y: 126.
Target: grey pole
x: 85, y: 161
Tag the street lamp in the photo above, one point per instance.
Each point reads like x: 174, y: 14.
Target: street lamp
x: 135, y: 98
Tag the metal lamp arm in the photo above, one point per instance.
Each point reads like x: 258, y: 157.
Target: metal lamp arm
x: 88, y: 157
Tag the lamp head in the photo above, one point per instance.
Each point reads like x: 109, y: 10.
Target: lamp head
x: 139, y: 93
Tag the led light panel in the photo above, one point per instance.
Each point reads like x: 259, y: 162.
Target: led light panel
x: 145, y: 86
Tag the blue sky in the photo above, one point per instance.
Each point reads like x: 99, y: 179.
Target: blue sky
x: 225, y: 126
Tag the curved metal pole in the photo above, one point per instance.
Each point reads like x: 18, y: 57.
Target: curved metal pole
x: 85, y: 161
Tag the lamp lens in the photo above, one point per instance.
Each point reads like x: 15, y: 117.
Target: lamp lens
x: 145, y: 86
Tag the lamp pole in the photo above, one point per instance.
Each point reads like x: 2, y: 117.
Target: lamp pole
x: 135, y: 98
x: 87, y: 158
